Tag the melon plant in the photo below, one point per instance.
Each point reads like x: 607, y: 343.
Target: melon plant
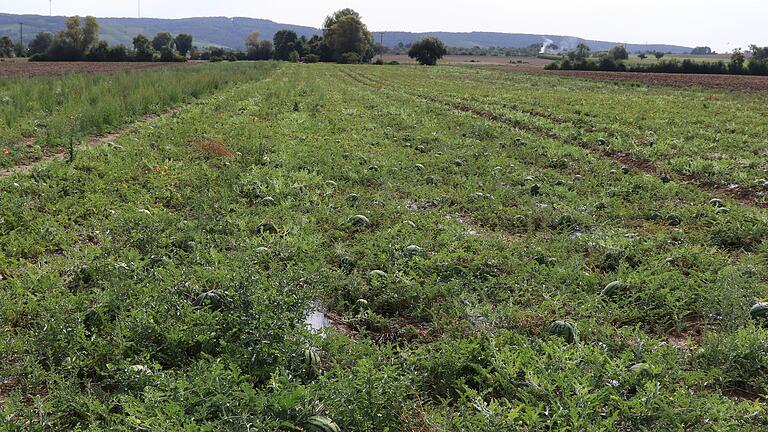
x: 419, y: 167
x: 92, y: 320
x: 544, y: 260
x: 642, y: 369
x: 348, y: 263
x: 266, y: 228
x: 759, y: 311
x: 331, y: 184
x: 673, y: 219
x: 140, y: 369
x: 311, y: 361
x: 321, y: 424
x: 565, y: 330
x: 535, y: 189
x: 612, y: 288
x: 625, y: 169
x: 413, y: 250
x: 410, y: 224
x: 373, y: 168
x: 361, y: 305
x: 268, y: 201
x: 565, y: 221
x: 211, y: 299
x: 353, y: 197
x: 375, y: 275
x: 359, y: 221
x: 716, y: 202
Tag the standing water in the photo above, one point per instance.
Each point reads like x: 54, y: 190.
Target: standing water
x: 315, y: 318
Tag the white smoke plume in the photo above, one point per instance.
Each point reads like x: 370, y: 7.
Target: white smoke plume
x: 547, y: 43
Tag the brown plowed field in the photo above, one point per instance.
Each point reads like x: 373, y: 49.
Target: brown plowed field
x: 23, y: 69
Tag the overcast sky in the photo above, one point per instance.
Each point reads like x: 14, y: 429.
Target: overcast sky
x: 721, y: 24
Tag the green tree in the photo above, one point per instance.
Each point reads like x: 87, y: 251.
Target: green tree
x: 619, y: 52
x: 183, y: 42
x: 264, y: 51
x: 428, y: 51
x: 40, y: 44
x: 758, y: 54
x: 642, y: 56
x: 162, y: 40
x: 143, y: 48
x: 581, y: 52
x: 98, y: 52
x: 344, y: 32
x: 78, y: 38
x: 316, y: 46
x: 737, y: 60
x: 659, y: 55
x: 6, y: 47
x: 252, y: 41
x: 703, y: 50
x: 285, y: 44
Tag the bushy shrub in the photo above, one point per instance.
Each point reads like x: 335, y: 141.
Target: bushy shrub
x: 619, y: 52
x: 118, y: 53
x: 608, y: 63
x: 428, y: 51
x: 311, y: 58
x: 686, y: 66
x: 758, y: 67
x: 350, y: 58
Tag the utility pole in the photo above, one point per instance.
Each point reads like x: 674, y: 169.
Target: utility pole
x: 139, y: 8
x: 381, y: 42
x: 50, y: 7
x: 21, y: 39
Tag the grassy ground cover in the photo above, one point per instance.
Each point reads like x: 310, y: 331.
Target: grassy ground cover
x: 715, y: 136
x: 43, y: 115
x: 161, y: 283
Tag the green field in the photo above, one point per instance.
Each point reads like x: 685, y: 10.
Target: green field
x: 651, y: 59
x: 40, y: 116
x: 161, y: 283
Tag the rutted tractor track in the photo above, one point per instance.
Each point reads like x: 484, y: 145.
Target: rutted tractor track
x: 744, y: 196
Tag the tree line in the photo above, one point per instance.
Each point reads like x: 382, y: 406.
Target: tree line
x: 345, y: 39
x: 79, y: 41
x: 754, y: 61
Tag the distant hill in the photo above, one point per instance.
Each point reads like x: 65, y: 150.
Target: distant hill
x: 207, y: 31
x: 518, y: 40
x: 231, y: 33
